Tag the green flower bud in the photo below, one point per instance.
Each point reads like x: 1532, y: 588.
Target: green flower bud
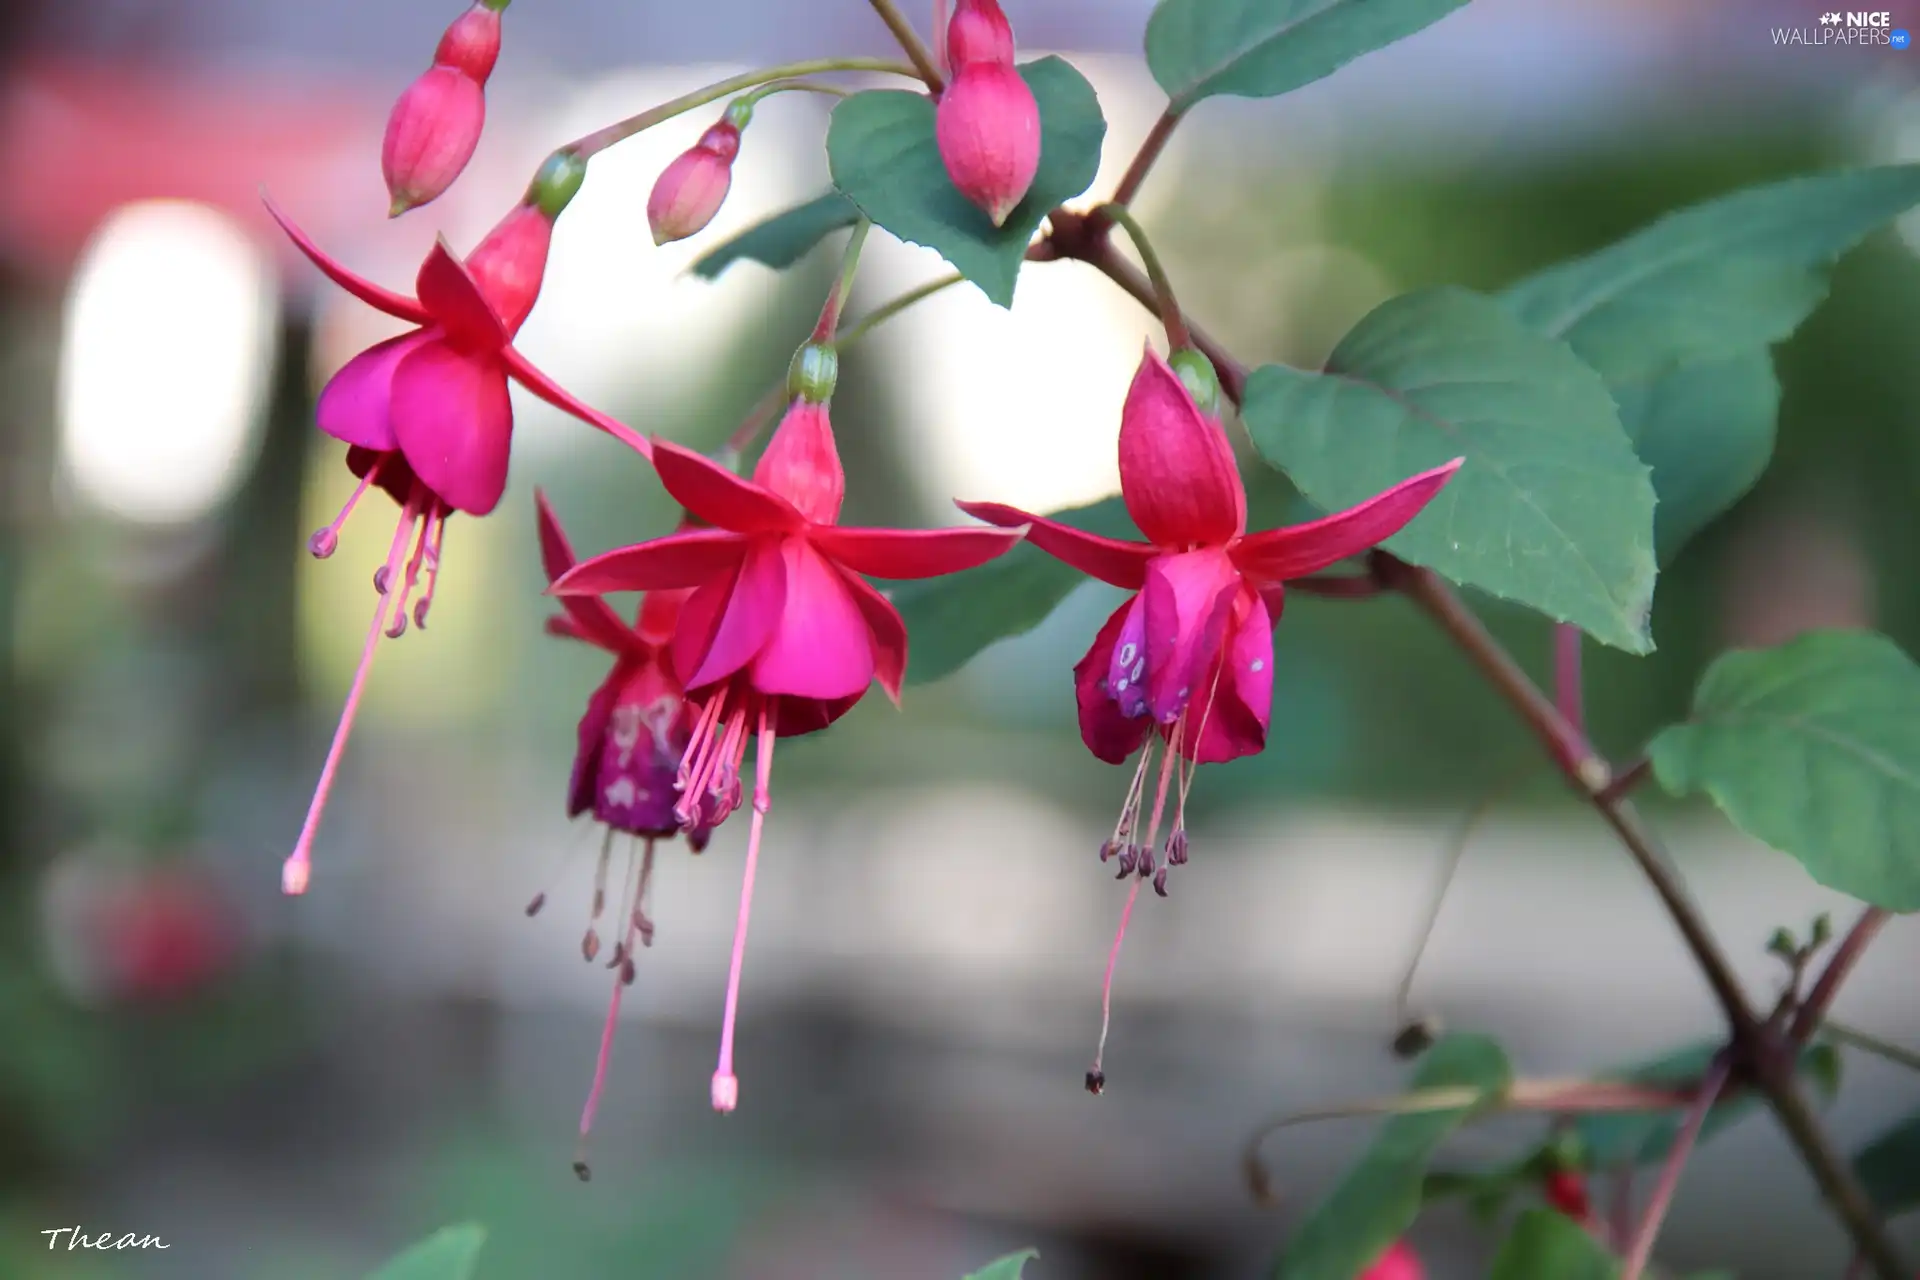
x: 556, y: 183
x: 1197, y: 375
x: 739, y: 113
x: 1783, y: 944
x: 1822, y: 931
x: 814, y: 372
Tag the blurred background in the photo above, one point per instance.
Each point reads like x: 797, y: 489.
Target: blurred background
x: 296, y: 1088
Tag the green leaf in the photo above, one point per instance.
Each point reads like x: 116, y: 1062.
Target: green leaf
x: 952, y: 618
x: 781, y: 239
x: 451, y: 1253
x: 1613, y: 1139
x: 1734, y: 274
x: 1545, y: 1245
x: 1007, y: 1268
x: 881, y: 149
x: 1889, y: 1167
x: 1552, y: 508
x: 1706, y: 428
x: 1380, y: 1197
x: 1814, y: 748
x: 1263, y: 48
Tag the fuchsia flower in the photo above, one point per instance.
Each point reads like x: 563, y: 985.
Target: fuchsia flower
x: 427, y: 418
x: 1399, y: 1262
x: 436, y: 124
x: 781, y: 636
x: 987, y: 124
x: 632, y: 739
x: 1188, y: 659
x: 690, y: 191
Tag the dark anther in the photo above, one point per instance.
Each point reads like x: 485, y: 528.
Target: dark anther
x: 1096, y: 1082
x: 539, y: 901
x: 590, y: 945
x: 619, y: 955
x: 380, y: 577
x: 1160, y: 882
x: 581, y: 1171
x: 398, y: 627
x: 1177, y: 848
x: 1416, y: 1038
x: 1108, y: 849
x: 1126, y: 863
x: 626, y: 972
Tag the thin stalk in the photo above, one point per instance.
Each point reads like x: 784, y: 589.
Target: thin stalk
x: 1899, y: 1055
x: 910, y: 43
x: 766, y: 91
x: 1143, y: 159
x: 1170, y: 316
x: 1640, y: 1250
x: 619, y: 131
x: 837, y: 300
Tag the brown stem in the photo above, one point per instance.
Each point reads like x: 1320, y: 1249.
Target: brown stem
x: 910, y: 43
x: 1640, y: 1251
x: 1143, y: 159
x: 1845, y: 957
x: 1833, y: 1174
x: 1626, y: 781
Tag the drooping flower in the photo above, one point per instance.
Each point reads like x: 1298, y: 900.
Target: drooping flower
x: 1399, y: 1262
x: 987, y: 124
x: 427, y: 418
x: 436, y: 124
x: 780, y: 636
x: 1187, y: 660
x: 631, y: 740
x: 690, y: 191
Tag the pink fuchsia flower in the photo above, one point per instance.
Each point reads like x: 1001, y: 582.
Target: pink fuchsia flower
x: 781, y: 636
x: 1188, y: 659
x: 1399, y: 1262
x: 690, y: 191
x: 427, y: 417
x: 632, y: 739
x: 436, y: 124
x: 987, y: 124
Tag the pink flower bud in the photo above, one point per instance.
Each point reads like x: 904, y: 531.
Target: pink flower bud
x: 691, y: 189
x: 979, y: 33
x: 436, y: 124
x: 988, y: 128
x: 1399, y: 1262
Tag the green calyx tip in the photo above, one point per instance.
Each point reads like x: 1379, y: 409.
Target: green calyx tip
x: 814, y: 372
x: 556, y: 183
x: 498, y: 6
x: 1197, y: 375
x: 739, y: 113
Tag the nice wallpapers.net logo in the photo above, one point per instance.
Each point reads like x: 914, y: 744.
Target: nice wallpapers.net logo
x: 1847, y: 29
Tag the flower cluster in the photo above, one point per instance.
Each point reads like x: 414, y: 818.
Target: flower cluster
x: 757, y: 621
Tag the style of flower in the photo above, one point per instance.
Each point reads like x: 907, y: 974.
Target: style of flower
x: 780, y: 635
x: 1188, y: 659
x: 631, y: 741
x: 426, y: 415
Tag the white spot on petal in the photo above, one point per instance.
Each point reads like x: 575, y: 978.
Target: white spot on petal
x: 1127, y: 652
x: 1258, y: 664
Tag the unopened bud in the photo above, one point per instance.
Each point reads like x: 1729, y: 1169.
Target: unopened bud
x: 436, y: 124
x: 814, y: 373
x: 692, y: 189
x: 988, y: 130
x: 1198, y: 377
x: 1783, y: 944
x: 1822, y: 931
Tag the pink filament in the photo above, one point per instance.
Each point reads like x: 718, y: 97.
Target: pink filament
x: 323, y: 542
x: 298, y: 868
x: 438, y: 521
x: 399, y: 625
x: 1126, y: 913
x: 726, y: 1085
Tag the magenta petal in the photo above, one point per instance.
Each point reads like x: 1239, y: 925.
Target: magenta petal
x: 888, y: 630
x: 822, y: 647
x: 596, y: 621
x: 726, y: 623
x: 912, y: 553
x: 1190, y: 598
x: 1127, y: 668
x: 1124, y: 564
x: 1177, y: 473
x: 1111, y: 736
x: 453, y: 421
x: 451, y: 297
x: 718, y: 496
x: 686, y: 559
x: 1300, y: 549
x: 523, y: 371
x: 356, y: 404
x: 1241, y: 688
x: 373, y: 295
x: 591, y: 737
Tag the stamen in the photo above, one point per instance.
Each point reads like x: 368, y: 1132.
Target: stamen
x: 605, y: 1058
x: 590, y: 941
x: 564, y: 864
x: 726, y: 1085
x: 439, y: 522
x: 325, y: 542
x: 298, y: 868
x: 398, y: 627
x: 700, y: 740
x: 704, y: 750
x: 539, y: 901
x: 620, y: 949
